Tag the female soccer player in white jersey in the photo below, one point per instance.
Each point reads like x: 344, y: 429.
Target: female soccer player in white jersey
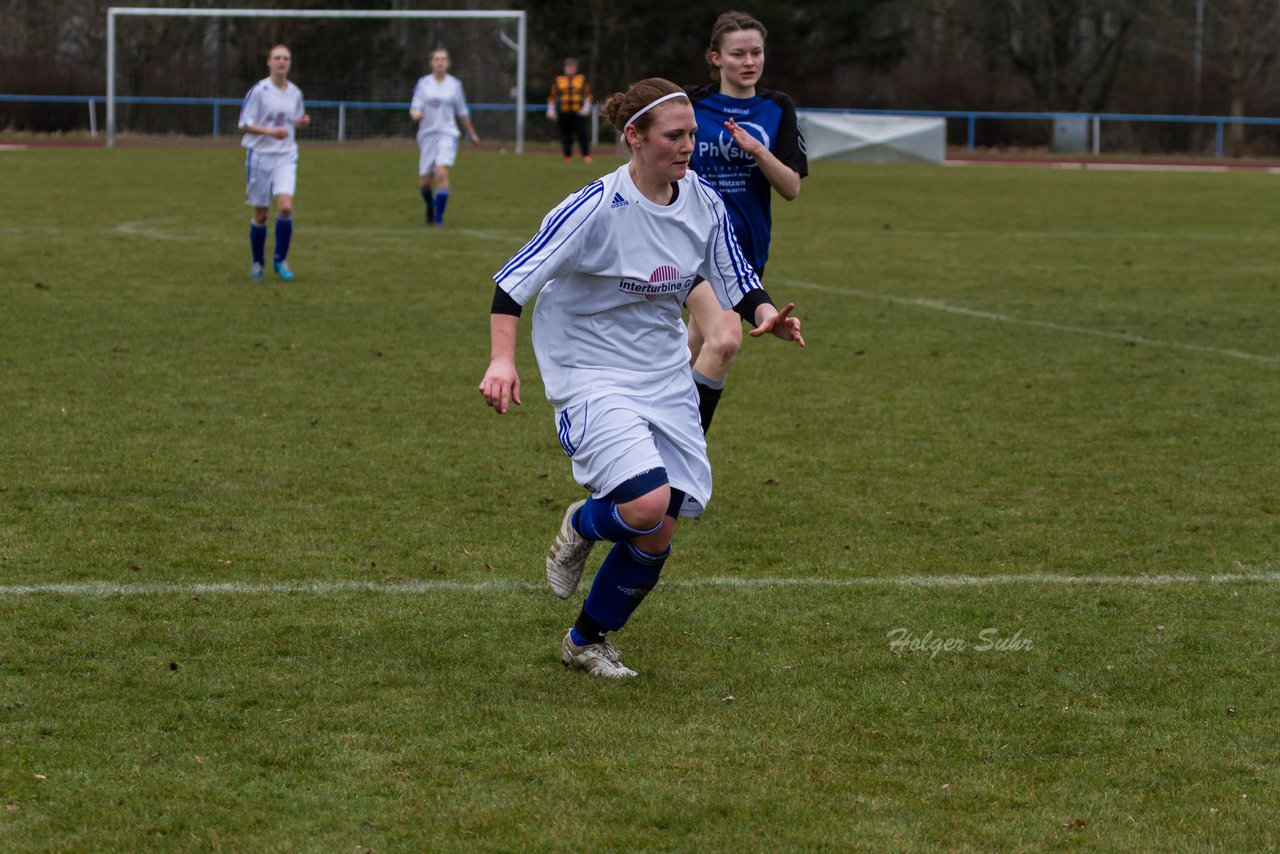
x: 611, y: 266
x: 749, y: 146
x: 271, y: 111
x: 438, y: 107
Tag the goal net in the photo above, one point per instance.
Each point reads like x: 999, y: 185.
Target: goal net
x: 185, y: 71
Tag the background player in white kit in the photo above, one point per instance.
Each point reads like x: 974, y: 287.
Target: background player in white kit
x: 610, y: 267
x: 438, y: 107
x: 271, y: 111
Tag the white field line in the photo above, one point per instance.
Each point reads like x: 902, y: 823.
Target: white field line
x: 161, y: 229
x: 108, y: 589
x: 939, y: 305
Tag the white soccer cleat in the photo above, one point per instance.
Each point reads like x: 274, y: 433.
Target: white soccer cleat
x: 567, y: 556
x: 594, y: 659
x: 255, y: 272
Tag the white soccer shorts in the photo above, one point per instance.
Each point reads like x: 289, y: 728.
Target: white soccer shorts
x: 436, y: 149
x: 612, y: 439
x: 269, y: 175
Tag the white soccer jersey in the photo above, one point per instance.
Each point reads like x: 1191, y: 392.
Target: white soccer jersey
x: 441, y: 102
x: 613, y: 269
x: 268, y: 106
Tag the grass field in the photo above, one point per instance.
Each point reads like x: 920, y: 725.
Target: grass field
x: 270, y: 573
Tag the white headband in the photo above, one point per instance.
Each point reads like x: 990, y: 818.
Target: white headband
x: 649, y: 106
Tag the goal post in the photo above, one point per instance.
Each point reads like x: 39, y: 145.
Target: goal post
x: 482, y: 56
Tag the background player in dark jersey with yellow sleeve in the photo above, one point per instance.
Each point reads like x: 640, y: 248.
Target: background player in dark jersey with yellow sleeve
x: 748, y: 146
x: 569, y: 105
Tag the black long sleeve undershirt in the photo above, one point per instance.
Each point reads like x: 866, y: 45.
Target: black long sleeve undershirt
x: 504, y: 304
x: 746, y: 309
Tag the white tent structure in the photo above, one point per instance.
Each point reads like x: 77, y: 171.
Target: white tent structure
x: 873, y: 138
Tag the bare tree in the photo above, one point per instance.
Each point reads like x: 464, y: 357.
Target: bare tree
x: 1233, y: 41
x: 1245, y: 50
x: 1071, y: 51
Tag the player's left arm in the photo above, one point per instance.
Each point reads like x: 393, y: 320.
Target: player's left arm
x: 465, y: 121
x: 780, y: 323
x: 464, y: 116
x: 737, y: 286
x: 303, y: 119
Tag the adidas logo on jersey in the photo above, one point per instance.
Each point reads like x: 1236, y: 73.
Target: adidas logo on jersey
x: 618, y: 201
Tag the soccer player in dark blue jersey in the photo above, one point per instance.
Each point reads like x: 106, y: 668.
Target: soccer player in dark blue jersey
x: 748, y: 145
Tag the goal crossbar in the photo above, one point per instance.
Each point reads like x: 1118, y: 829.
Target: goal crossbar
x: 520, y: 18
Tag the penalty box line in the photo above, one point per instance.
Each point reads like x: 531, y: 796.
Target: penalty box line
x: 108, y: 589
x: 939, y: 305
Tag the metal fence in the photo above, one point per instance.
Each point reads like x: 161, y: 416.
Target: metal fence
x: 349, y: 120
x: 964, y: 127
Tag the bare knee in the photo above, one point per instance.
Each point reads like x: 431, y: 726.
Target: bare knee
x: 648, y: 510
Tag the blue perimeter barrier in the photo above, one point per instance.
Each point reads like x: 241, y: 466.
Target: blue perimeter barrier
x: 970, y: 117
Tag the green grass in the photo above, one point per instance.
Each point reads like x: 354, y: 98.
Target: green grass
x: 1014, y: 376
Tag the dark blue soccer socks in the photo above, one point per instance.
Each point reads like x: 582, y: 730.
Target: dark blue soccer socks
x: 623, y: 580
x: 442, y: 199
x: 284, y: 233
x: 628, y: 573
x: 258, y: 242
x: 430, y: 200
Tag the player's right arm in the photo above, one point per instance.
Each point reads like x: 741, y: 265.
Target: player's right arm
x: 418, y: 102
x: 553, y: 251
x: 780, y: 176
x: 501, y: 383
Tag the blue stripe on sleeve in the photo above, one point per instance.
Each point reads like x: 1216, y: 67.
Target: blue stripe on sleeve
x: 545, y: 235
x: 540, y: 239
x: 742, y: 269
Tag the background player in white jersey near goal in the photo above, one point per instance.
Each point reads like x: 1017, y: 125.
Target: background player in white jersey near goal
x: 611, y: 266
x: 438, y: 107
x: 272, y: 109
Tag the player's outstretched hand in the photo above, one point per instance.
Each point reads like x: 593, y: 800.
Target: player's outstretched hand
x: 501, y: 385
x: 784, y: 327
x: 304, y: 121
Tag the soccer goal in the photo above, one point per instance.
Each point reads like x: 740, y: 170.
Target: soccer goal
x: 185, y: 72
